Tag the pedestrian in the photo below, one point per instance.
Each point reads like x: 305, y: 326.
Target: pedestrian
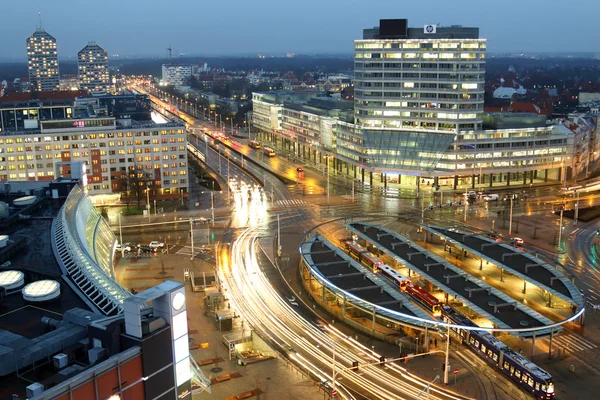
x: 435, y: 342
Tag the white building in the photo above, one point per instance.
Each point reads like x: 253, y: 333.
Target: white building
x: 418, y: 116
x: 42, y: 59
x: 176, y: 74
x: 92, y: 67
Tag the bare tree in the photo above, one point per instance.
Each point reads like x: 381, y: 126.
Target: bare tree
x: 134, y: 183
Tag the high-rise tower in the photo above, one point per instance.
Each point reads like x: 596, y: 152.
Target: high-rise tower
x: 92, y: 67
x: 42, y: 59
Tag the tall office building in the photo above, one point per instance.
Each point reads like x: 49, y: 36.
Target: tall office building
x: 429, y: 78
x: 92, y: 67
x: 418, y: 117
x: 42, y: 59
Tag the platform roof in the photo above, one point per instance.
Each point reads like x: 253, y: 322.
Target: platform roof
x: 515, y: 261
x: 476, y: 294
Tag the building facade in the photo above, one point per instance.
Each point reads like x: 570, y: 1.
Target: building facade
x: 418, y: 116
x: 118, y: 143
x: 176, y: 74
x: 92, y: 68
x: 42, y: 61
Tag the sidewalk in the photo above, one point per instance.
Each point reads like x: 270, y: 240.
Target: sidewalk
x: 275, y: 378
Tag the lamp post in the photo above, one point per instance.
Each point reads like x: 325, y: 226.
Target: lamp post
x: 560, y: 227
x: 447, y: 356
x: 511, y: 215
x: 121, y: 237
x: 148, y: 202
x: 192, y: 237
x: 576, y: 208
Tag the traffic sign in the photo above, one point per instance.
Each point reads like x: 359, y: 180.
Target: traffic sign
x: 334, y: 393
x: 455, y: 372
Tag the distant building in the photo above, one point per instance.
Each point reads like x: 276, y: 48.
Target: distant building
x: 92, y: 67
x: 176, y: 74
x: 69, y: 82
x: 585, y: 98
x: 42, y: 59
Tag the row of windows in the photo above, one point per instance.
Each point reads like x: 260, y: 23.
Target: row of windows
x: 91, y: 137
x: 421, y: 45
x: 426, y: 56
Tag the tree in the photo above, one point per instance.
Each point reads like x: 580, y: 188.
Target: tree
x: 134, y: 183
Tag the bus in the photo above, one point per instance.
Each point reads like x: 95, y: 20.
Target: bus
x: 255, y: 144
x: 269, y: 151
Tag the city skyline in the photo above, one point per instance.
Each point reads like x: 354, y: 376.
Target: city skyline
x: 244, y: 31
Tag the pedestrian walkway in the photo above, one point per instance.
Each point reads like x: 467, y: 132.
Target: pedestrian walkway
x: 571, y: 342
x: 291, y: 203
x: 187, y: 251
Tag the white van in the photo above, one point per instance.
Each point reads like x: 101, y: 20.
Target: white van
x: 491, y: 197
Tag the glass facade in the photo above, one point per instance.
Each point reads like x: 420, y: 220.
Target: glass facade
x: 84, y: 246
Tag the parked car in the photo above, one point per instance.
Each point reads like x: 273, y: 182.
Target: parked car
x: 471, y: 194
x: 156, y: 244
x: 123, y: 247
x: 491, y: 197
x: 147, y: 249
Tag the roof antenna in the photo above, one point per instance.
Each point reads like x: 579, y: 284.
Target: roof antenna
x: 40, y: 17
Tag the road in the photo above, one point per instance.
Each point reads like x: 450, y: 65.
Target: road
x: 306, y: 344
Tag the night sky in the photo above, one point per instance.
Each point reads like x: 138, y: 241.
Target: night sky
x: 230, y: 27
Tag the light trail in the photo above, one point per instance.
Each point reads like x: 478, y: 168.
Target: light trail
x: 274, y: 319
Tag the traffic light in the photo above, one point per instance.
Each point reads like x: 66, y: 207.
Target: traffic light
x: 381, y: 360
x: 443, y: 366
x: 355, y: 366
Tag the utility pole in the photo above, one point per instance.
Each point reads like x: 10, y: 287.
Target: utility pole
x: 353, y: 191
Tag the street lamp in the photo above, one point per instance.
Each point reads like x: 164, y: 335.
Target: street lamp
x: 121, y: 237
x: 511, y: 215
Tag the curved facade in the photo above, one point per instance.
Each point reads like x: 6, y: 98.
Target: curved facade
x: 84, y: 247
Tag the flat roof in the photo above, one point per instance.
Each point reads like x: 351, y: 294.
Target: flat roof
x: 515, y: 261
x: 347, y: 274
x: 475, y: 293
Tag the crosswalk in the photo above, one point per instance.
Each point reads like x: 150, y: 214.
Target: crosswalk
x: 571, y: 342
x: 290, y: 203
x: 187, y: 251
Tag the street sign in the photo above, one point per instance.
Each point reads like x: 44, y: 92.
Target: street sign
x: 334, y: 393
x: 455, y: 372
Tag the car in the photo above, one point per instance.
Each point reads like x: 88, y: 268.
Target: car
x: 123, y: 247
x: 516, y: 241
x: 300, y: 169
x: 147, y: 249
x: 491, y: 197
x: 471, y: 194
x: 156, y: 244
